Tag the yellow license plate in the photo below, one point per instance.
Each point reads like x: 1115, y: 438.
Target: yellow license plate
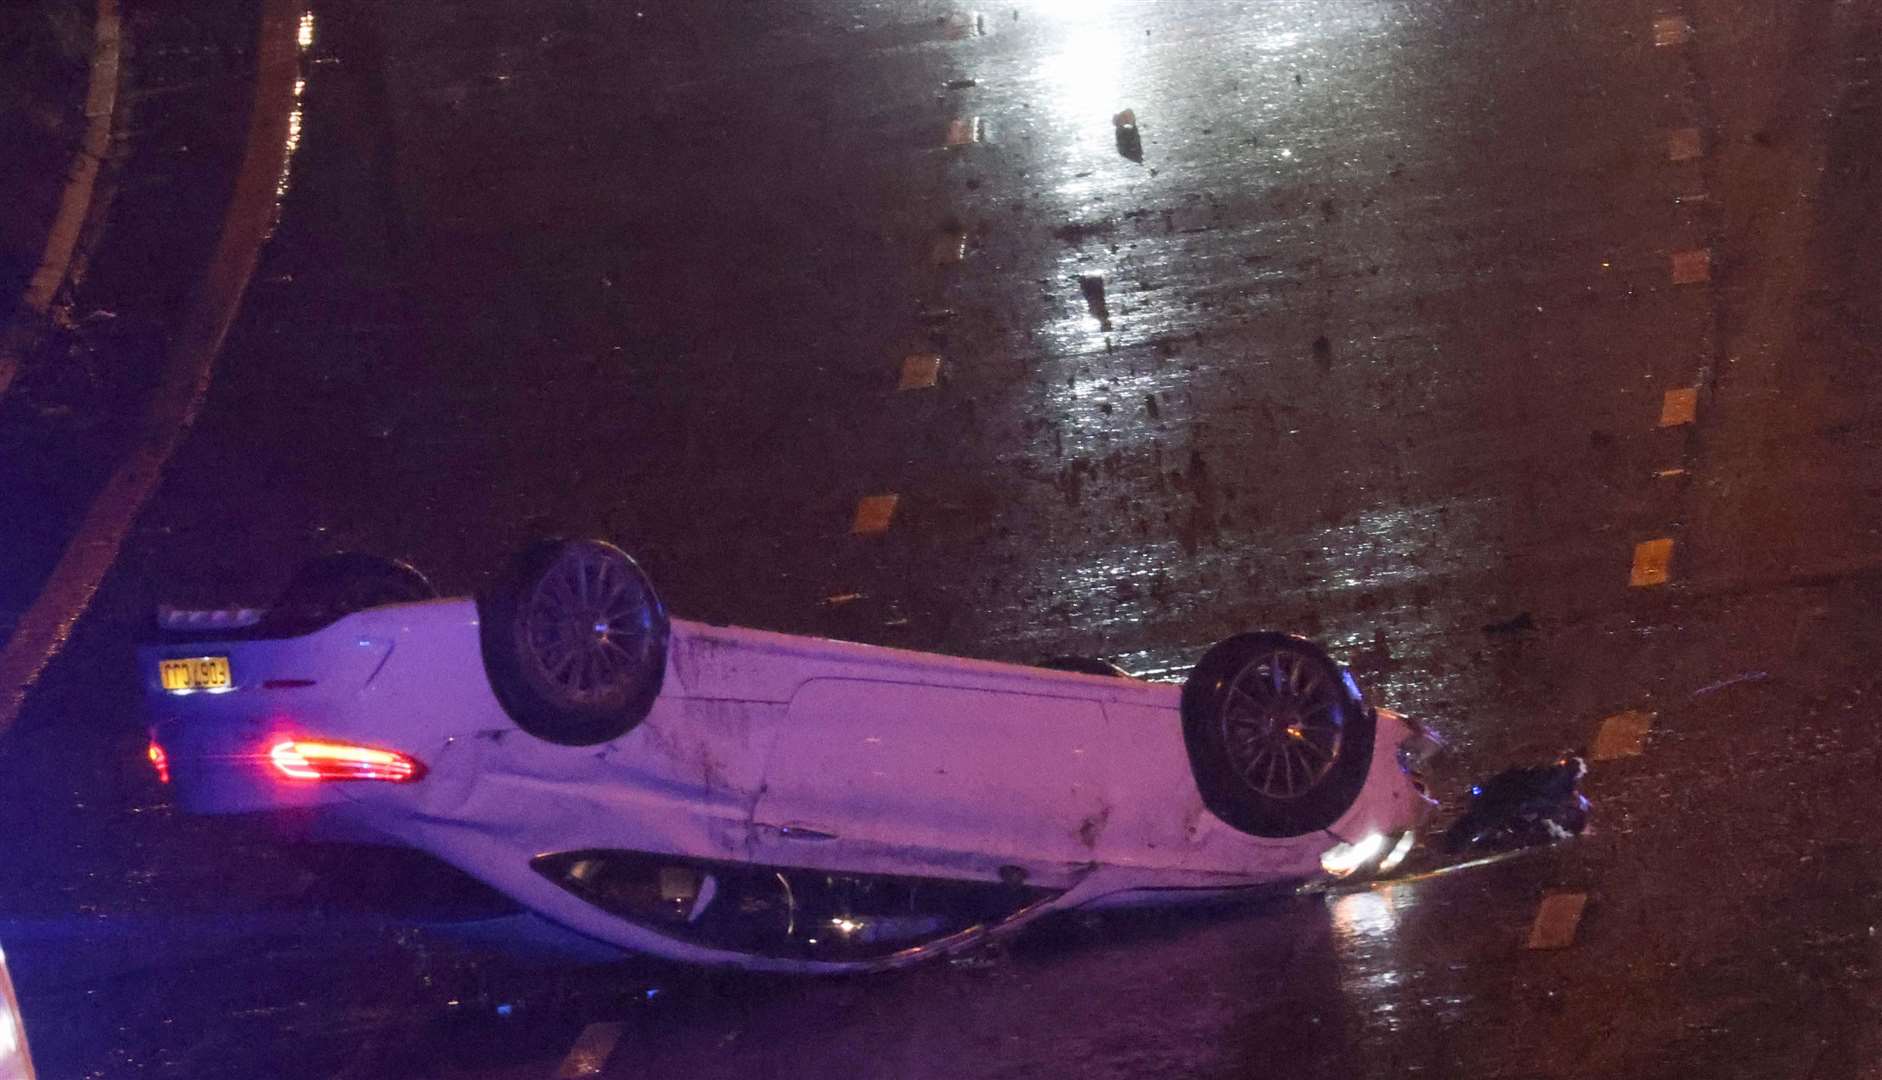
x: 195, y: 673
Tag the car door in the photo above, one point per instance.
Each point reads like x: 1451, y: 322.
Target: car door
x: 1159, y: 820
x: 934, y: 781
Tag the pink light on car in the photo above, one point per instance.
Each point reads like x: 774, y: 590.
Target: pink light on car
x: 303, y: 759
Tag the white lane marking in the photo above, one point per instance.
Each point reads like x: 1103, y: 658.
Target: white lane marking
x: 1556, y: 920
x: 44, y: 628
x: 101, y: 97
x: 591, y: 1051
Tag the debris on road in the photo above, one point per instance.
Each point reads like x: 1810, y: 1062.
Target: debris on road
x: 1129, y: 143
x: 1080, y: 231
x: 1525, y: 806
x: 1745, y: 677
x: 1515, y: 624
x: 1092, y: 285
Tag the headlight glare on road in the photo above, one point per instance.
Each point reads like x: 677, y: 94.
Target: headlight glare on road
x: 1417, y: 750
x: 1398, y: 852
x: 15, y: 1061
x: 1342, y: 860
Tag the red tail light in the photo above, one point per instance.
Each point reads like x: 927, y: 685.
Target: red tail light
x: 159, y: 761
x: 300, y: 759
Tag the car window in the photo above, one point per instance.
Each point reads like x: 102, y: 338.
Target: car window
x: 783, y: 912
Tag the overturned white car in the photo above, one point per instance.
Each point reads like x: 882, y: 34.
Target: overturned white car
x: 729, y: 796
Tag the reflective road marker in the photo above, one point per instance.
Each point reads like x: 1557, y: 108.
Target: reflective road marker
x: 1679, y: 406
x: 873, y: 514
x: 1651, y: 558
x: 591, y: 1051
x: 1556, y: 920
x: 920, y: 371
x: 1692, y: 267
x: 1622, y: 735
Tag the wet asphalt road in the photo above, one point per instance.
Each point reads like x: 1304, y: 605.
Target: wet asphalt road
x: 1391, y: 322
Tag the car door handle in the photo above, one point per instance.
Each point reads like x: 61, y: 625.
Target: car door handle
x: 799, y: 832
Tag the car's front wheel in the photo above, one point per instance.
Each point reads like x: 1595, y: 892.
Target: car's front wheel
x: 574, y: 641
x: 1279, y: 738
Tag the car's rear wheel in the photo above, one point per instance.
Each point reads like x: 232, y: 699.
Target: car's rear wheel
x: 332, y: 587
x: 1279, y: 738
x: 574, y: 641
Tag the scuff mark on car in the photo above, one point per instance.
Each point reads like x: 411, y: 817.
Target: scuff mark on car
x: 680, y: 661
x: 1192, y: 819
x: 705, y: 663
x: 1094, y: 825
x: 656, y: 738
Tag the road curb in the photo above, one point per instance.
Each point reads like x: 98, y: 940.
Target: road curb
x: 246, y: 225
x: 75, y: 199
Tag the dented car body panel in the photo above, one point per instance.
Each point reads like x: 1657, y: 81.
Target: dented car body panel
x: 762, y: 750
